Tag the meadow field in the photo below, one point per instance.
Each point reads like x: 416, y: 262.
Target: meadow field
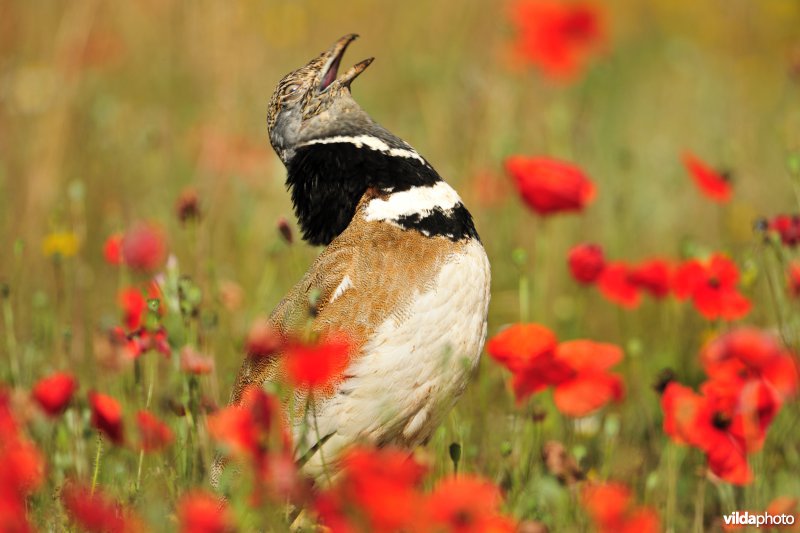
x: 145, y: 230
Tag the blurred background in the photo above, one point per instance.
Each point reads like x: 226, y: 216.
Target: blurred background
x: 110, y: 111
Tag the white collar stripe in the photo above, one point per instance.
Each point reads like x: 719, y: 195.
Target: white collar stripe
x: 417, y: 200
x: 370, y: 142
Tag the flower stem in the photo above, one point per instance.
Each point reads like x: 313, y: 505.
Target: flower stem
x: 520, y: 258
x: 699, y: 506
x: 11, y: 339
x: 97, y: 456
x: 672, y: 475
x: 774, y: 292
x: 524, y: 298
x: 151, y: 379
x: 319, y: 439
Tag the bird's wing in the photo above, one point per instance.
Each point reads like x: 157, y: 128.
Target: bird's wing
x: 300, y: 305
x: 366, y: 275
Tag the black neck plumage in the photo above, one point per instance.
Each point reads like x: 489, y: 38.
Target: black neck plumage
x: 328, y: 180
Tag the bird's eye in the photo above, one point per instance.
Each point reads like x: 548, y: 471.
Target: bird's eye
x: 291, y: 89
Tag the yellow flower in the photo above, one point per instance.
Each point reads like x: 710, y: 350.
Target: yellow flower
x: 61, y: 243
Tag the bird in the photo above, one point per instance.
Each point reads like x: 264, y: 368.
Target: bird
x: 403, y: 272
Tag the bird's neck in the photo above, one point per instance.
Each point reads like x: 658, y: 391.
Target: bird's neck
x: 328, y: 177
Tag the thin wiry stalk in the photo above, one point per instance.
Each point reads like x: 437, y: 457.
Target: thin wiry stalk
x: 97, y: 457
x: 321, y: 452
x: 11, y: 338
x: 672, y: 488
x: 153, y: 364
x: 699, y: 504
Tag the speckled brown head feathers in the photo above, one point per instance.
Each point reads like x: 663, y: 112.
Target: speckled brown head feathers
x: 306, y: 101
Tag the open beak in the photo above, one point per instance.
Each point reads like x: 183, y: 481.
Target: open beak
x: 331, y: 69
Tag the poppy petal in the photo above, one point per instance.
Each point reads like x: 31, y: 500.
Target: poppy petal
x: 585, y: 354
x: 587, y: 392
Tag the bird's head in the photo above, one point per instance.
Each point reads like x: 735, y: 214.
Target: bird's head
x: 333, y: 151
x: 313, y: 101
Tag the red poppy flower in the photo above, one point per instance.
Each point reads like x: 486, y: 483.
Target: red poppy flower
x: 144, y: 247
x: 333, y: 514
x: 95, y: 512
x: 23, y: 471
x: 617, y: 286
x: 193, y: 362
x: 588, y: 385
x: 154, y: 434
x: 201, y: 512
x: 112, y: 249
x: 653, y: 276
x: 610, y: 505
x: 254, y: 431
x: 380, y: 488
x: 528, y: 351
x: 252, y: 427
x: 13, y: 514
x: 187, y: 206
x: 578, y: 370
x: 755, y: 374
x: 712, y: 286
x: 467, y: 504
x: 518, y: 346
x: 134, y: 307
x: 787, y: 227
x: 679, y: 404
x: 54, y: 392
x: 708, y: 422
x: 280, y: 480
x: 142, y: 341
x: 263, y: 340
x: 558, y: 37
x: 749, y: 353
x: 586, y: 263
x: 107, y: 416
x: 716, y: 186
x: 316, y: 366
x: 793, y: 279
x: 135, y: 304
x: 285, y: 230
x: 550, y: 186
x: 8, y: 424
x: 23, y: 468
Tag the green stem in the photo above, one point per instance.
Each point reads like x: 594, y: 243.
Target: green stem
x: 192, y: 431
x: 11, y: 339
x: 774, y: 292
x: 319, y: 439
x: 61, y: 311
x: 97, y: 456
x: 699, y: 506
x: 151, y: 379
x: 672, y: 481
x: 533, y: 437
x: 524, y: 298
x: 73, y: 423
x: 139, y: 472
